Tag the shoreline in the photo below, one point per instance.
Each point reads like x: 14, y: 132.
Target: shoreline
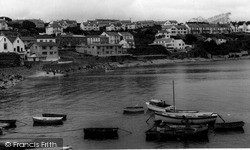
x: 9, y: 77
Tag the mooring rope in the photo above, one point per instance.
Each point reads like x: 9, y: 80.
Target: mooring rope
x: 125, y: 130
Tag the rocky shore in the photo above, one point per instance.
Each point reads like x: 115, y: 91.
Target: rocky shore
x: 9, y: 77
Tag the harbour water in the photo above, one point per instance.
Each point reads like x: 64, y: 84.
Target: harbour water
x: 97, y: 99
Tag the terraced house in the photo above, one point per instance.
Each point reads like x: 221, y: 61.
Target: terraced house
x: 103, y: 50
x: 199, y: 28
x: 43, y: 51
x: 114, y: 37
x: 176, y: 29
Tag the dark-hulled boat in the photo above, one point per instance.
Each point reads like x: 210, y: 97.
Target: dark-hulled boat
x: 12, y: 123
x: 64, y: 116
x: 133, y: 110
x: 176, y: 132
x: 100, y: 133
x: 229, y: 126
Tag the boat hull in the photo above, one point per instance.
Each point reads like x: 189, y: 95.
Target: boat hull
x: 12, y: 123
x: 64, y: 117
x: 178, y: 119
x: 229, y: 126
x: 47, y: 121
x: 100, y: 133
x: 133, y: 110
x: 177, y: 133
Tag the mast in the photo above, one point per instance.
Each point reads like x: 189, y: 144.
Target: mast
x: 173, y: 96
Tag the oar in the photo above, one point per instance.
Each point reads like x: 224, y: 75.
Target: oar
x: 221, y: 118
x: 149, y: 118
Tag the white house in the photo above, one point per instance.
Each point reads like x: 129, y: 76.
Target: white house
x: 114, y: 37
x: 18, y: 46
x: 163, y: 34
x: 5, y: 45
x: 89, y: 26
x: 170, y: 22
x: 179, y: 44
x: 248, y: 26
x: 124, y: 44
x: 45, y: 38
x: 131, y: 26
x: 176, y: 29
x: 128, y: 37
x: 171, y: 44
x: 3, y: 25
x: 54, y: 28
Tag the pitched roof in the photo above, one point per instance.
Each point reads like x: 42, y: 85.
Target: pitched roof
x: 112, y: 33
x: 125, y: 34
x: 166, y: 40
x: 46, y: 43
x: 28, y: 38
x: 163, y: 31
x: 12, y: 39
x: 93, y: 36
x: 44, y: 37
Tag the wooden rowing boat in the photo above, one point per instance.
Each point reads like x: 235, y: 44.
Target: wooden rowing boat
x: 100, y: 133
x: 176, y: 132
x: 12, y: 123
x: 47, y: 120
x: 133, y: 110
x: 64, y: 116
x: 229, y: 126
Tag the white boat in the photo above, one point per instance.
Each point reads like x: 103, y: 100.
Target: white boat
x: 184, y: 117
x: 47, y: 120
x: 159, y: 105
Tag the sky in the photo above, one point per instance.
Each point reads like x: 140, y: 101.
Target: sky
x: 158, y: 10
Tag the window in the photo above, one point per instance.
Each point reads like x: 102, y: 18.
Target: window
x: 50, y: 40
x: 4, y: 39
x: 44, y: 53
x: 43, y: 47
x: 51, y: 47
x: 107, y: 52
x: 51, y: 53
x: 41, y: 40
x: 5, y: 46
x: 14, y: 49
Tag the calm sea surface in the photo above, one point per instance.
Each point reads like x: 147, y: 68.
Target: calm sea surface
x: 97, y: 99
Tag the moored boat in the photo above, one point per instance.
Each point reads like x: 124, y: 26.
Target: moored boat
x: 100, y: 133
x: 4, y: 125
x: 64, y: 116
x: 173, y: 132
x: 12, y: 123
x: 229, y: 126
x: 182, y: 118
x: 47, y: 120
x: 159, y: 105
x: 133, y: 109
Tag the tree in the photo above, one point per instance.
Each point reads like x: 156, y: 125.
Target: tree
x: 190, y: 39
x: 28, y: 25
x: 15, y: 25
